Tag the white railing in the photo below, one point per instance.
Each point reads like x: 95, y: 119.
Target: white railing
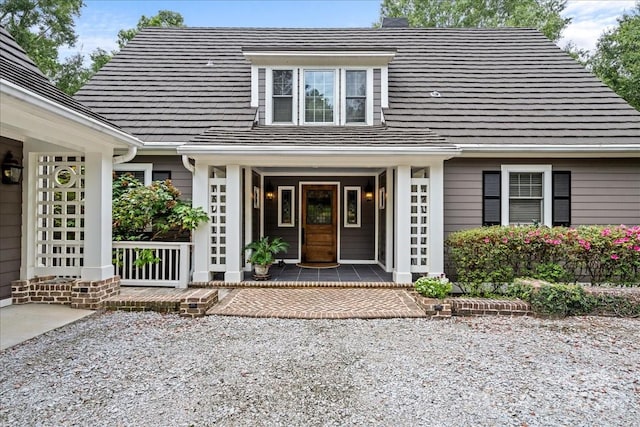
x: 172, y: 269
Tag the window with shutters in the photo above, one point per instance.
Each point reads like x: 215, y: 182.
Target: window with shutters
x: 526, y: 194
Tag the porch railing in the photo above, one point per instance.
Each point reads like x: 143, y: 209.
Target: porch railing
x: 171, y: 270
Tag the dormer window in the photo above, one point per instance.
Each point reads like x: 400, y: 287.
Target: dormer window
x: 355, y: 96
x: 282, y: 98
x: 319, y: 96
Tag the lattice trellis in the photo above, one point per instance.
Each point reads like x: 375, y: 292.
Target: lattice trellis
x: 218, y: 215
x: 419, y: 225
x: 60, y: 214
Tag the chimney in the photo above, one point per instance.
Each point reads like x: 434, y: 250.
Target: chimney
x: 388, y: 22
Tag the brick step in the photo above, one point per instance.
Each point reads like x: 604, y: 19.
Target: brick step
x: 481, y: 307
x: 187, y: 302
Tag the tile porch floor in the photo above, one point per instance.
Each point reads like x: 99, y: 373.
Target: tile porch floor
x: 342, y: 273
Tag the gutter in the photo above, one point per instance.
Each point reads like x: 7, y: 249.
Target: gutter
x: 187, y: 164
x: 126, y: 157
x: 315, y: 150
x: 22, y: 94
x: 486, y: 148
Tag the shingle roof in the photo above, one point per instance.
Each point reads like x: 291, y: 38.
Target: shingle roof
x: 16, y: 67
x: 497, y: 86
x: 344, y: 136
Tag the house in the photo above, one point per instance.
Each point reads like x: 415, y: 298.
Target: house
x: 370, y: 145
x: 55, y: 219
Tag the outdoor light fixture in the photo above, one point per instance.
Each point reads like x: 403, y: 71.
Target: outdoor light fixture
x: 368, y: 192
x: 11, y: 169
x: 269, y: 191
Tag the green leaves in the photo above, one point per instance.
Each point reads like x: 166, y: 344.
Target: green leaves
x: 263, y: 251
x: 164, y: 19
x: 545, y: 15
x: 617, y: 58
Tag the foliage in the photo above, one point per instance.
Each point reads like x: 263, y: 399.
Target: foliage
x: 41, y: 27
x: 615, y: 305
x: 617, y: 58
x: 164, y: 19
x: 157, y: 207
x: 486, y: 258
x: 545, y: 15
x: 263, y: 251
x: 433, y: 287
x: 561, y: 300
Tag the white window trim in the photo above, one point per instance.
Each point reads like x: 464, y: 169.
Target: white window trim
x: 343, y: 98
x: 357, y: 189
x: 547, y: 194
x: 282, y: 188
x: 147, y: 168
x: 268, y: 102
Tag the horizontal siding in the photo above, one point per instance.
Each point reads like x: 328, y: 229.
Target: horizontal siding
x: 603, y: 191
x: 10, y: 224
x: 180, y: 177
x: 377, y: 96
x: 262, y: 84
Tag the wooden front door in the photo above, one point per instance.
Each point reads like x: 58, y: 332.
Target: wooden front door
x: 319, y: 222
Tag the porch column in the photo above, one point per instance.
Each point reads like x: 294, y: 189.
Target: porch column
x: 436, y: 218
x: 389, y: 231
x: 402, y: 264
x: 248, y: 210
x: 200, y: 235
x: 234, y: 253
x: 97, y: 217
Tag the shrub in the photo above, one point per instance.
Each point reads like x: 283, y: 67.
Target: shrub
x: 561, y: 300
x: 433, y: 287
x: 486, y: 258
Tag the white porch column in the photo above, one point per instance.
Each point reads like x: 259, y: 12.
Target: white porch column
x: 97, y: 217
x: 248, y: 210
x: 389, y: 231
x: 402, y: 232
x: 200, y: 235
x: 436, y: 218
x: 234, y: 253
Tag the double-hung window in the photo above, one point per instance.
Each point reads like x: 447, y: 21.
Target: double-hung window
x: 355, y: 96
x: 282, y: 96
x: 526, y: 194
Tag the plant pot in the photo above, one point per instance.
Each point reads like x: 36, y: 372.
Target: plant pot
x: 261, y: 270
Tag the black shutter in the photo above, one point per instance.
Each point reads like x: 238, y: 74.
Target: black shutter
x: 561, y: 198
x: 491, y: 198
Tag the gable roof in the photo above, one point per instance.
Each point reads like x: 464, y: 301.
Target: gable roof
x: 498, y: 86
x: 17, y: 68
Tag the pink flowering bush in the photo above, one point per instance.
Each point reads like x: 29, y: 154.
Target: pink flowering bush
x: 497, y: 255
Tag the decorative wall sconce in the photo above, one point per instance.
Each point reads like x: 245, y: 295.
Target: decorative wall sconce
x: 368, y: 192
x: 11, y: 169
x: 269, y: 191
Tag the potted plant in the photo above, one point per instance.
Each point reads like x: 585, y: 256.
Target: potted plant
x: 263, y: 253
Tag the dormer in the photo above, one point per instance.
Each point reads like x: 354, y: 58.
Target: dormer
x: 319, y: 87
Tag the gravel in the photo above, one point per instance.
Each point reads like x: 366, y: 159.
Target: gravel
x: 147, y: 369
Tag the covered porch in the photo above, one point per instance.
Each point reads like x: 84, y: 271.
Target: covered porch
x: 381, y: 208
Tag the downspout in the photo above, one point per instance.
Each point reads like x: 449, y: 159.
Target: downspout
x: 187, y: 164
x: 128, y: 156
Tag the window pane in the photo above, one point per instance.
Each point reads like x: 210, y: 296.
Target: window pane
x: 282, y: 109
x: 318, y: 90
x: 319, y: 207
x: 356, y: 109
x: 525, y: 184
x: 356, y: 83
x: 523, y: 211
x: 282, y: 82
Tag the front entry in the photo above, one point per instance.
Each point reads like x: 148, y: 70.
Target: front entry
x: 319, y: 223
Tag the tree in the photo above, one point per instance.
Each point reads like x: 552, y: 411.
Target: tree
x: 164, y: 19
x: 545, y: 15
x: 40, y: 27
x: 617, y: 58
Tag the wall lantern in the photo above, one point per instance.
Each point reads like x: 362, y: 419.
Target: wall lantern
x: 269, y: 191
x: 11, y: 169
x: 368, y: 192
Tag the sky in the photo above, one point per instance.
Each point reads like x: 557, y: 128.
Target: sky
x: 101, y: 20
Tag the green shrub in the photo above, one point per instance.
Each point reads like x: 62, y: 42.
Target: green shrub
x: 615, y: 305
x: 433, y: 287
x: 561, y: 300
x: 519, y: 290
x: 486, y: 258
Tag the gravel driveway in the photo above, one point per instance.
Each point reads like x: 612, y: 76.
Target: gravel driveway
x: 146, y: 369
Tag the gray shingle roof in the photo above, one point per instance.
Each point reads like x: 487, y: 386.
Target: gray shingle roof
x: 344, y: 136
x: 17, y: 68
x: 497, y: 86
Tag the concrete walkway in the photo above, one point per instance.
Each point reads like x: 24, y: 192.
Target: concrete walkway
x: 19, y: 323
